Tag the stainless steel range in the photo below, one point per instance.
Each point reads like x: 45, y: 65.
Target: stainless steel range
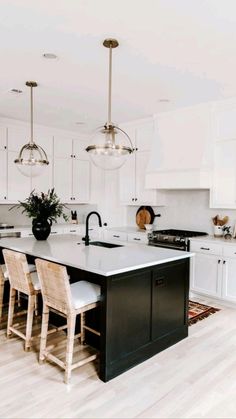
x: 173, y: 239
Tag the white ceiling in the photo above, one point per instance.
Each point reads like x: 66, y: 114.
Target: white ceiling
x: 181, y: 50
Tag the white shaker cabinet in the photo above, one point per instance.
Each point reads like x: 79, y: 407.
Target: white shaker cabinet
x: 3, y: 164
x: 44, y: 181
x: 81, y: 181
x: 18, y: 185
x: 207, y: 274
x: 132, y: 175
x: 223, y: 192
x: 71, y: 173
x: 213, y: 269
x: 62, y: 168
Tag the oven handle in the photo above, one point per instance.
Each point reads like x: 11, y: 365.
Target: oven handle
x: 168, y: 246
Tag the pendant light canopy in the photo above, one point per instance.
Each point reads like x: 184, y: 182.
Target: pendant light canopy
x: 32, y: 158
x: 110, y: 144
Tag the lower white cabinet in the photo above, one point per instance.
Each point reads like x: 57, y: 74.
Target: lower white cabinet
x: 213, y: 274
x: 138, y: 238
x: 207, y: 271
x: 116, y: 235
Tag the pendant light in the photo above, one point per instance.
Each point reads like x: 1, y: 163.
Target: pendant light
x: 111, y: 145
x: 32, y: 158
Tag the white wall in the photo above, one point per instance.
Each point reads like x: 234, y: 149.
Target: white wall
x: 187, y: 210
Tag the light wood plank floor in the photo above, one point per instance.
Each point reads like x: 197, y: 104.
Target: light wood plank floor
x: 194, y: 379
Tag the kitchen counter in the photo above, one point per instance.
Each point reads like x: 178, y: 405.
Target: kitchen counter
x: 144, y: 295
x: 213, y: 239
x: 99, y: 260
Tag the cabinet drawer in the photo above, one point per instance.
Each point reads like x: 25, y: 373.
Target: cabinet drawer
x: 229, y: 251
x: 206, y: 247
x: 116, y: 235
x: 137, y: 237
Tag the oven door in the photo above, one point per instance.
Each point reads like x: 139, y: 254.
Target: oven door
x: 169, y: 246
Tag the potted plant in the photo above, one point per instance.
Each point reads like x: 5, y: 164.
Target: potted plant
x: 43, y: 208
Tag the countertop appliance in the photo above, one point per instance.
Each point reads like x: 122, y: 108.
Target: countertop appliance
x: 173, y: 239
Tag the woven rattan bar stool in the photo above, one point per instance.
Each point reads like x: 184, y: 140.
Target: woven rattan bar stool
x: 26, y: 282
x: 3, y: 279
x: 68, y: 301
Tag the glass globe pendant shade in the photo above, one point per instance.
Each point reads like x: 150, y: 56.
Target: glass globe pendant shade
x: 32, y: 158
x: 111, y: 147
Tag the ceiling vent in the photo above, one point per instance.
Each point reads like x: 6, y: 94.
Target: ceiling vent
x: 15, y: 91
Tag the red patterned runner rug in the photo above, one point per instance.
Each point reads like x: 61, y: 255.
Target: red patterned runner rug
x: 199, y: 311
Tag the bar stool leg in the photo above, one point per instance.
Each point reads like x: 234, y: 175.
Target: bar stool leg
x: 1, y: 295
x: 44, y: 332
x: 70, y: 345
x: 82, y: 320
x: 11, y: 310
x: 36, y: 305
x: 29, y: 323
x: 18, y: 299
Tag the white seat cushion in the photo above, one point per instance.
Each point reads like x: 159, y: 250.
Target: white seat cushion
x: 32, y: 268
x: 84, y: 293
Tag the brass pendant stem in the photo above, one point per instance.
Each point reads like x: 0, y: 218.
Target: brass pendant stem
x: 31, y: 116
x: 110, y: 85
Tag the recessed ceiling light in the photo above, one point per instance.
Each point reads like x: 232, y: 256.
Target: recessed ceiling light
x: 164, y: 100
x: 80, y: 123
x: 50, y: 56
x: 15, y: 91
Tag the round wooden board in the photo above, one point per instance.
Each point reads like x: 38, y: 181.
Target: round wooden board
x: 143, y: 217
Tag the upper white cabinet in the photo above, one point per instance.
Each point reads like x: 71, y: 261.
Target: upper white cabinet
x: 3, y: 164
x: 71, y: 177
x: 68, y: 170
x: 133, y: 190
x: 18, y: 185
x: 223, y: 191
x: 181, y: 156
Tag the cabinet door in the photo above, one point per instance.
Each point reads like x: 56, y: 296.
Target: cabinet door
x: 62, y: 168
x: 44, y: 181
x: 18, y: 185
x: 128, y: 314
x: 62, y: 178
x: 169, y: 298
x: 127, y: 181
x: 206, y: 274
x: 17, y: 137
x: 223, y: 193
x: 3, y: 177
x: 79, y: 147
x: 81, y: 181
x: 143, y: 195
x: 229, y: 280
x: 144, y: 136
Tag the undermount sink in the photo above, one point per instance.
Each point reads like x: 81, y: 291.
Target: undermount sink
x: 105, y: 244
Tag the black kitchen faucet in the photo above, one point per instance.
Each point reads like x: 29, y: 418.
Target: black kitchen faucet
x: 86, y: 238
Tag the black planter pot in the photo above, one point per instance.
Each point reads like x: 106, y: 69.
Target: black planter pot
x: 41, y: 228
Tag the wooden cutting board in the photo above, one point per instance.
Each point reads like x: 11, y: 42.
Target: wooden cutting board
x: 143, y: 217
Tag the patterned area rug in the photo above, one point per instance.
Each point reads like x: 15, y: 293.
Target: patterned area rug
x: 199, y: 311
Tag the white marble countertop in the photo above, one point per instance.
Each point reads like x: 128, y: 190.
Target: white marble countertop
x: 65, y: 249
x: 213, y: 239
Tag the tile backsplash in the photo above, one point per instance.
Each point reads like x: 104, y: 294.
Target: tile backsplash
x: 186, y: 209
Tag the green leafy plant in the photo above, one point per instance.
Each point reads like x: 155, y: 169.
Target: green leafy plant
x: 45, y: 206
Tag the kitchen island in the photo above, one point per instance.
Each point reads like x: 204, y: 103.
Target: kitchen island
x: 144, y: 294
